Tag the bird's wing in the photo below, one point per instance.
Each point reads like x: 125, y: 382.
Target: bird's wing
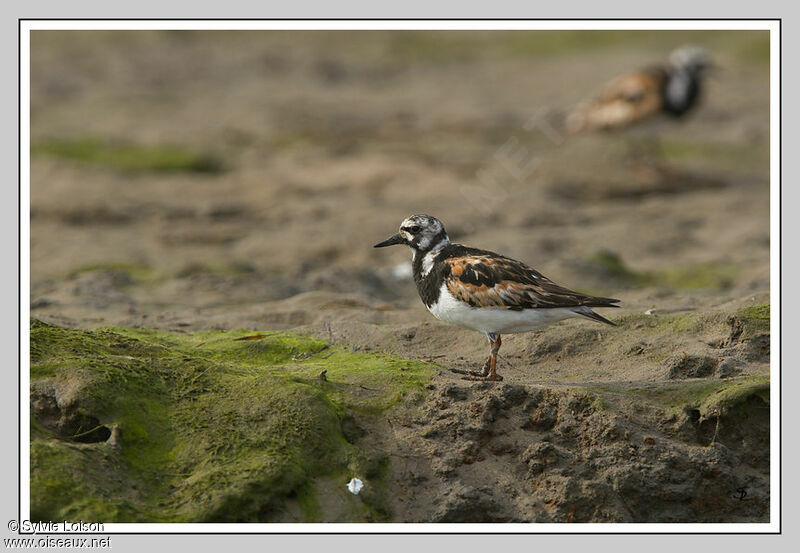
x: 623, y: 101
x: 491, y: 280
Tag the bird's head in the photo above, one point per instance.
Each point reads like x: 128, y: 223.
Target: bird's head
x: 420, y: 232
x: 692, y: 59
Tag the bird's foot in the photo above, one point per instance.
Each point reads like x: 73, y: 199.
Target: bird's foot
x: 487, y: 378
x: 479, y: 374
x: 483, y: 376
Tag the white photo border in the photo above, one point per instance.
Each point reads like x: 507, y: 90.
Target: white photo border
x: 771, y: 25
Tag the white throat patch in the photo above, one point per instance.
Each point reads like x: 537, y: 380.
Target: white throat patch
x: 427, y: 261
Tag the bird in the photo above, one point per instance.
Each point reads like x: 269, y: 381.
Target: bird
x: 485, y: 291
x: 671, y: 88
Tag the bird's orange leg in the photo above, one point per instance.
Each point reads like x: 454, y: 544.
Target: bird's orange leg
x: 493, y: 360
x: 489, y: 371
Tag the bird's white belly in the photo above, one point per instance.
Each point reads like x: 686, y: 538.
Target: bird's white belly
x: 494, y: 320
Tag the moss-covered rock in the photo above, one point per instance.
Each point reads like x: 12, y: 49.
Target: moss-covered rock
x: 210, y: 426
x: 751, y: 321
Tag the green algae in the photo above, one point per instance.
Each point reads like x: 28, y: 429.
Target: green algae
x: 673, y: 323
x: 755, y: 312
x: 72, y: 473
x: 460, y: 47
x: 211, y: 426
x: 128, y: 157
x: 221, y: 269
x: 735, y: 393
x: 135, y: 272
x: 715, y: 153
x: 701, y: 276
x: 756, y: 319
x: 707, y: 396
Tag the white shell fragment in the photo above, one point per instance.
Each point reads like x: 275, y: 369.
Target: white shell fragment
x: 354, y: 486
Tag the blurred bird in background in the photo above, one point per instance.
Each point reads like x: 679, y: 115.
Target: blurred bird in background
x: 673, y: 89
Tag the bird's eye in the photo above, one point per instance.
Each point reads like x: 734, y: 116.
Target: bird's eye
x: 414, y: 229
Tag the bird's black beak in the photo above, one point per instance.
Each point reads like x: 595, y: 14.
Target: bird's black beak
x: 391, y: 241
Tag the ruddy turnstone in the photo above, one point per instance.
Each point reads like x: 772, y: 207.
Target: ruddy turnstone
x: 485, y: 291
x: 672, y: 88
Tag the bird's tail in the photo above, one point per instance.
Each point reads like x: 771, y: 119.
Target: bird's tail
x: 589, y: 314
